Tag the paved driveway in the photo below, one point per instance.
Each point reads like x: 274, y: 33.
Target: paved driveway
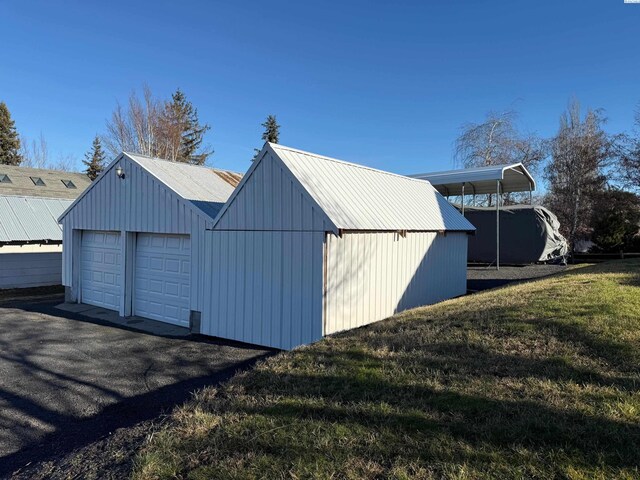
x: 66, y: 380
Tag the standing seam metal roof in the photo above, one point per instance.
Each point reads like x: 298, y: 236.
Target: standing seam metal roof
x: 355, y: 197
x: 31, y: 219
x: 200, y: 185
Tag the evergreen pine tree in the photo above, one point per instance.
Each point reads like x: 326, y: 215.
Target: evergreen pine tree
x: 94, y: 159
x: 271, y: 132
x: 9, y: 139
x: 182, y: 124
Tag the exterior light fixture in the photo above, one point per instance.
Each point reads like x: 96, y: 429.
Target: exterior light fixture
x: 119, y: 172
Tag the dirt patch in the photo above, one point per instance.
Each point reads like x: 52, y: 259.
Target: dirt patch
x: 31, y: 293
x: 109, y: 458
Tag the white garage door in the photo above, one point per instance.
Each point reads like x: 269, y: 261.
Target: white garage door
x: 162, y: 278
x: 100, y: 261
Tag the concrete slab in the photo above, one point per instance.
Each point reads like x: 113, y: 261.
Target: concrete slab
x: 139, y: 323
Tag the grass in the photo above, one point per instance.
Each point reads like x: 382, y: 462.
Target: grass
x: 537, y: 380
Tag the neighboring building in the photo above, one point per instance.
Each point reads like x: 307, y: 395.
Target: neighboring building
x: 304, y: 247
x: 134, y: 241
x: 31, y: 199
x: 308, y: 246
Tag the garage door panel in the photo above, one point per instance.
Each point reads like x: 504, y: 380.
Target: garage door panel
x: 172, y: 289
x: 162, y: 278
x: 110, y: 259
x: 172, y: 265
x: 185, y: 268
x: 100, y: 269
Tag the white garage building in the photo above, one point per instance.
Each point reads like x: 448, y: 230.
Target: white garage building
x: 134, y: 240
x: 304, y: 247
x: 308, y: 245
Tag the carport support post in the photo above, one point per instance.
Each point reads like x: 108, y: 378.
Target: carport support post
x: 463, y: 199
x: 498, y: 225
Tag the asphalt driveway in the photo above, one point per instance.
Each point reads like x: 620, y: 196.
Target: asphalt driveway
x: 67, y: 380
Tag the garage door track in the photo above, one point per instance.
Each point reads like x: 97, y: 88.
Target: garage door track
x: 67, y: 380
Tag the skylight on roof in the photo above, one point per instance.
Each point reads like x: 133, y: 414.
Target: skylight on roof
x: 68, y: 184
x: 4, y: 178
x: 38, y: 182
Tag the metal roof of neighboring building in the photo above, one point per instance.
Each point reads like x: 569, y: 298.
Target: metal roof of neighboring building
x: 205, y: 187
x: 22, y: 181
x: 481, y: 180
x: 355, y: 197
x: 232, y: 178
x: 31, y: 219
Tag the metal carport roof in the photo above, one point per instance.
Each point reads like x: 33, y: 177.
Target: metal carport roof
x: 481, y: 180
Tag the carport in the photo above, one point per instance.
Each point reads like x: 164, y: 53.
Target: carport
x: 493, y: 179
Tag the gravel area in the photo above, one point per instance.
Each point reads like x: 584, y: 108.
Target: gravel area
x: 483, y: 277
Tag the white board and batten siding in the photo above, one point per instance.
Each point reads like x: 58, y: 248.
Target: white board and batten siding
x: 265, y: 287
x: 372, y: 276
x: 137, y: 203
x: 264, y: 263
x: 272, y: 200
x: 23, y: 270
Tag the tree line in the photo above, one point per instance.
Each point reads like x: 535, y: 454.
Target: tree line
x: 146, y: 125
x: 592, y: 177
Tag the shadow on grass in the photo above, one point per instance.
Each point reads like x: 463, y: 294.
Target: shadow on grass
x: 399, y: 412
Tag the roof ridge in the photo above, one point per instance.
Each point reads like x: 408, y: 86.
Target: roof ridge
x: 337, y: 160
x: 48, y: 170
x: 471, y: 169
x: 129, y: 154
x: 3, y: 195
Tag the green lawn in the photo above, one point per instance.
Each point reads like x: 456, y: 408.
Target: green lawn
x: 538, y: 380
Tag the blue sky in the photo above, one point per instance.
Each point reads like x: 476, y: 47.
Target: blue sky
x: 386, y: 84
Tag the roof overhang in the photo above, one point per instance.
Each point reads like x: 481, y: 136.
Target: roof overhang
x: 31, y: 242
x: 482, y: 180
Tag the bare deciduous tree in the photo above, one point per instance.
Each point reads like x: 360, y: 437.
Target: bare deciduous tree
x: 629, y: 150
x: 163, y: 129
x: 35, y: 152
x: 36, y: 155
x: 135, y: 129
x: 581, y: 152
x: 497, y: 141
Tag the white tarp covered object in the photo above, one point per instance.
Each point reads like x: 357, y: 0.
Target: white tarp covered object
x: 528, y: 234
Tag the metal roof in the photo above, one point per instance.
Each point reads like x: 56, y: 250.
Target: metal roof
x: 21, y: 184
x: 355, y: 197
x: 204, y: 187
x: 481, y: 180
x: 232, y: 178
x: 31, y: 219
